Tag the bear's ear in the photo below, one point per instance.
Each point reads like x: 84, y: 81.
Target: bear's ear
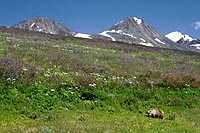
x: 160, y: 111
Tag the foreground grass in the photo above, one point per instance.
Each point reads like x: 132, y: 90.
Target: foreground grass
x: 123, y: 113
x: 101, y: 121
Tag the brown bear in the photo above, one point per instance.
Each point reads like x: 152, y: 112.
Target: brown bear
x: 156, y: 113
x: 33, y: 116
x: 81, y: 118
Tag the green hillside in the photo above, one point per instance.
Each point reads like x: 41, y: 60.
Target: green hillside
x: 111, y: 84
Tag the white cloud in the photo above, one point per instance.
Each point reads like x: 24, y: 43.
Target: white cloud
x: 197, y: 25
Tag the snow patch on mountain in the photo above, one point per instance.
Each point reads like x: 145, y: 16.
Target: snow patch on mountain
x: 137, y: 20
x: 129, y: 35
x: 107, y: 35
x: 196, y: 45
x: 158, y: 40
x: 122, y: 33
x: 142, y: 39
x: 176, y: 36
x: 82, y: 35
x: 32, y: 24
x: 146, y: 44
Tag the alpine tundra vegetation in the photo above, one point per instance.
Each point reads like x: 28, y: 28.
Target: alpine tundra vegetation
x: 54, y: 83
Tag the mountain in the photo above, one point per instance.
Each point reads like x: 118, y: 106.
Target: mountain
x: 45, y: 25
x: 135, y: 30
x: 184, y: 40
x: 130, y: 30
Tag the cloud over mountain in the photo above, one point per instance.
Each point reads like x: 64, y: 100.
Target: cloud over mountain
x: 197, y: 25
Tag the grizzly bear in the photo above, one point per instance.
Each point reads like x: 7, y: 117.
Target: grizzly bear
x: 156, y: 113
x: 81, y: 118
x: 33, y: 116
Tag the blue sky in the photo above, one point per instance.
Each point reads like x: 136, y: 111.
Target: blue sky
x: 94, y: 16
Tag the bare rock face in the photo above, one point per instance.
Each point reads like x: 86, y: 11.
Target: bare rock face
x: 42, y: 24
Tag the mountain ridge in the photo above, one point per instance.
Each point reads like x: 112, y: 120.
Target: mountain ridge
x: 42, y: 24
x: 136, y: 30
x: 131, y: 30
x: 184, y: 39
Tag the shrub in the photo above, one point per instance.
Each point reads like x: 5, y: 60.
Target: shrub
x: 92, y: 95
x: 130, y: 103
x: 86, y: 80
x: 175, y: 82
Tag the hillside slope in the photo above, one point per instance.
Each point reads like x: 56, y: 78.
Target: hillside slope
x: 95, y: 56
x: 58, y: 79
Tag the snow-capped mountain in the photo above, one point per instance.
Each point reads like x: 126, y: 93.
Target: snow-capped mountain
x: 45, y: 25
x: 184, y: 40
x: 176, y: 36
x: 135, y: 30
x: 130, y: 30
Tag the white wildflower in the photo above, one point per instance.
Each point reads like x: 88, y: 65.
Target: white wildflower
x: 24, y: 69
x: 92, y: 85
x: 52, y: 89
x: 63, y: 83
x: 47, y: 75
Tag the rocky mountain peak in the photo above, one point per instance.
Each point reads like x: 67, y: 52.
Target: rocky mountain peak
x: 135, y: 30
x: 128, y: 25
x: 43, y: 24
x: 184, y: 40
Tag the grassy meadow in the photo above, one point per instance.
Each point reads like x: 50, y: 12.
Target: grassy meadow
x: 111, y: 84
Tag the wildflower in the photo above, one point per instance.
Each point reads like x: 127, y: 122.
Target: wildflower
x: 52, y: 90
x: 64, y: 73
x: 92, y: 85
x: 24, y: 69
x: 8, y: 79
x: 63, y: 83
x: 187, y: 85
x: 47, y: 75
